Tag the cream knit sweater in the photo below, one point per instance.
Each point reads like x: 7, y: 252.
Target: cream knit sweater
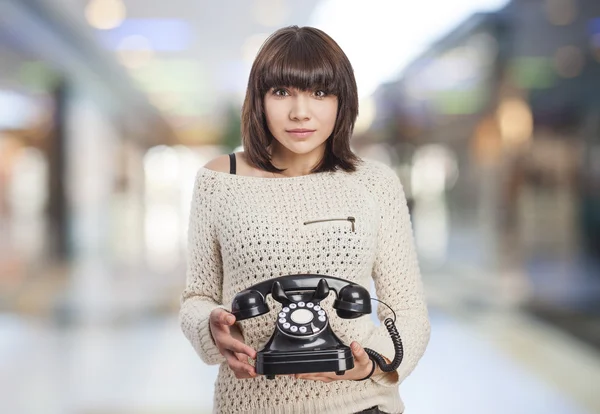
x: 244, y: 230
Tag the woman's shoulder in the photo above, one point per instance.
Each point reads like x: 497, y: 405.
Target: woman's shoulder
x: 222, y: 164
x: 210, y: 174
x: 218, y: 164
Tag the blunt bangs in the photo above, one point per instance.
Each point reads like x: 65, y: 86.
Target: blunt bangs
x: 297, y: 65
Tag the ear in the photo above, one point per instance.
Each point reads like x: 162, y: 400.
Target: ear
x: 248, y: 304
x: 353, y: 301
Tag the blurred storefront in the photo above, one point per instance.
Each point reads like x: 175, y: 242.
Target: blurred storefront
x: 73, y: 134
x: 505, y: 109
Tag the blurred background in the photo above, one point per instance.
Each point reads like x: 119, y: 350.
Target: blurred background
x: 489, y: 110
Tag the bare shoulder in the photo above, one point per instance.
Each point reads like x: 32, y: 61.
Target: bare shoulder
x: 219, y: 164
x: 222, y: 164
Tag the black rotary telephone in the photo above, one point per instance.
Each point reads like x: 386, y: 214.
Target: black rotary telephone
x: 303, y: 341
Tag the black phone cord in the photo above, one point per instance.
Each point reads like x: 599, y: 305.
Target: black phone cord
x: 398, y: 349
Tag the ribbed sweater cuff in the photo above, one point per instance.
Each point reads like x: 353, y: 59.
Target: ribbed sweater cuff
x: 207, y: 343
x: 194, y: 319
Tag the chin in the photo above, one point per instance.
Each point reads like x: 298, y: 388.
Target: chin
x: 302, y: 148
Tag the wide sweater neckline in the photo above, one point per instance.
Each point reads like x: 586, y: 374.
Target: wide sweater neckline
x: 308, y: 177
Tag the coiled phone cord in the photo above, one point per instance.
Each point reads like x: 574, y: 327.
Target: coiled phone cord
x: 398, y: 350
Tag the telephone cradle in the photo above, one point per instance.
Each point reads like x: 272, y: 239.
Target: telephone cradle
x: 303, y: 341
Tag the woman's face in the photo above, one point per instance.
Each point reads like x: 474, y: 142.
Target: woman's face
x: 301, y: 121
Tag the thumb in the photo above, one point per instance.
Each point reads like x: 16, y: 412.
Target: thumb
x: 227, y: 318
x: 359, y: 353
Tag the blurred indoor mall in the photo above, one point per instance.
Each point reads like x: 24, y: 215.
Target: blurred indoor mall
x: 489, y: 111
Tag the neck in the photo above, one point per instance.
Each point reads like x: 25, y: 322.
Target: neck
x: 295, y: 164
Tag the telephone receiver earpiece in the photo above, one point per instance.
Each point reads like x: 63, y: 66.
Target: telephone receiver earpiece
x: 353, y: 301
x: 249, y: 304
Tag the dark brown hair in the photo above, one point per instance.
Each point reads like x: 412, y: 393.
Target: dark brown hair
x: 308, y: 59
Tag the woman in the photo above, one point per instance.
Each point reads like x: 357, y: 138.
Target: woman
x: 275, y: 209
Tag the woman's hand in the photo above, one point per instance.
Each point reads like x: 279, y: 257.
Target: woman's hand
x: 230, y: 343
x: 362, y: 367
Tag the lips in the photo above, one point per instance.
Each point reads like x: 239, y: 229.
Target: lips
x: 300, y: 132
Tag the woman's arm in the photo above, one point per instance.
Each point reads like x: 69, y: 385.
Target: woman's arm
x: 204, y: 276
x: 397, y: 279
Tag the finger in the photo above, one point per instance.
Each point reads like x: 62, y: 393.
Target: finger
x: 243, y: 375
x: 234, y: 345
x: 237, y: 366
x: 223, y: 317
x: 241, y: 357
x: 359, y: 353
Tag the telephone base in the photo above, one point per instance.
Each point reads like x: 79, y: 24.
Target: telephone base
x: 271, y: 363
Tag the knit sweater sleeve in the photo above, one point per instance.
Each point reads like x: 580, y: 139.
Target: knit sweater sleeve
x: 203, y: 290
x: 397, y: 280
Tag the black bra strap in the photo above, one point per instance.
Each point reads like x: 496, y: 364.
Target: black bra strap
x: 232, y: 163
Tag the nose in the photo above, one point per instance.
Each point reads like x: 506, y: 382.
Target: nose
x: 300, y: 109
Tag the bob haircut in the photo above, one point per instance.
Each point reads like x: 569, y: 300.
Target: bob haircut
x: 308, y: 59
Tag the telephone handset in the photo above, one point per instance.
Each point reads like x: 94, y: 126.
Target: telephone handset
x: 303, y: 341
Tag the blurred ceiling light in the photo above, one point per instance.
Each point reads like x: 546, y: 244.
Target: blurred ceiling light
x: 105, y: 14
x: 515, y: 121
x: 366, y: 115
x: 252, y: 45
x: 561, y: 12
x: 271, y: 12
x: 135, y: 51
x: 568, y: 61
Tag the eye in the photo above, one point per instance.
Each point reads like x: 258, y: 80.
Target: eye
x: 280, y: 92
x: 320, y: 94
